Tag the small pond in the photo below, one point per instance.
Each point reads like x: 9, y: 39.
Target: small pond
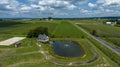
x: 67, y: 48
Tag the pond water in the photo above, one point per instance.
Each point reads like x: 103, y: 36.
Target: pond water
x: 67, y: 48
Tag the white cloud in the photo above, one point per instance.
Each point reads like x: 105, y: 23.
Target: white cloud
x: 91, y: 5
x: 84, y: 11
x: 109, y: 2
x: 71, y: 7
x: 9, y: 4
x: 25, y: 8
x: 59, y: 8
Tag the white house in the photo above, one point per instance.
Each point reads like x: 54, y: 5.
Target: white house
x: 43, y: 38
x: 111, y: 23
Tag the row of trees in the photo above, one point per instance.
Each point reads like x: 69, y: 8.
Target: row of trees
x: 35, y: 32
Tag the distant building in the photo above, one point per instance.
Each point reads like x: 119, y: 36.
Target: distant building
x: 43, y: 38
x: 111, y: 23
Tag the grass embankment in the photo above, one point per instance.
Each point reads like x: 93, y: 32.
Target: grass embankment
x: 113, y: 56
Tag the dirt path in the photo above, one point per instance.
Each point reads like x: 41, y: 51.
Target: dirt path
x: 11, y: 41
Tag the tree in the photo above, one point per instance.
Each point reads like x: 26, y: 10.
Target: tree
x: 37, y: 31
x: 94, y: 32
x: 49, y: 18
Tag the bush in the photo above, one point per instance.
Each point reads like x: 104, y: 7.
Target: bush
x: 37, y: 31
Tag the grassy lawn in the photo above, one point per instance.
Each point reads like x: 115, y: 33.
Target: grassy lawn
x: 18, y: 60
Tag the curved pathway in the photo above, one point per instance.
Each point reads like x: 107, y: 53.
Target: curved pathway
x: 69, y: 63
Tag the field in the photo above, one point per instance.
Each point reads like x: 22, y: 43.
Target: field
x: 29, y: 55
x: 107, y: 32
x: 65, y: 29
x: 21, y: 28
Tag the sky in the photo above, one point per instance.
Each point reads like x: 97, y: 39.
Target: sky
x: 58, y: 8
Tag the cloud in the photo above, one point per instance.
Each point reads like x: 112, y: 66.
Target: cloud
x: 24, y: 8
x: 8, y: 4
x: 109, y: 2
x: 84, y: 11
x: 91, y: 5
x: 57, y: 4
x: 58, y: 8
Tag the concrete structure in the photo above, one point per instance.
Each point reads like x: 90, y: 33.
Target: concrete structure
x: 11, y: 41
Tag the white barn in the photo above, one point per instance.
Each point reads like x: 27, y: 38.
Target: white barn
x: 111, y: 23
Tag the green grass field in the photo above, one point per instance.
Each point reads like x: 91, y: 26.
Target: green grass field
x: 58, y: 30
x: 108, y: 32
x: 21, y: 28
x: 66, y: 29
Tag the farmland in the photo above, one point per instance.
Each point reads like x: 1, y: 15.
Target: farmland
x: 58, y: 30
x: 106, y: 32
x: 65, y: 29
x: 21, y: 28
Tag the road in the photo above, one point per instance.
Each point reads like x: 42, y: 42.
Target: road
x: 108, y: 45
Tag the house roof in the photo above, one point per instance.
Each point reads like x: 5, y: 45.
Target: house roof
x: 43, y: 37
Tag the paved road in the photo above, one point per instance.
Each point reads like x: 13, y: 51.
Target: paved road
x: 108, y: 45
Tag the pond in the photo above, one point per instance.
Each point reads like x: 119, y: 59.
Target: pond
x: 67, y: 48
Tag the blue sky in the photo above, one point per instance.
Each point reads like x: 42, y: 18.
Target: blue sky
x: 58, y: 8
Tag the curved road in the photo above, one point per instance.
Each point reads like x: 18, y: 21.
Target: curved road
x: 108, y: 45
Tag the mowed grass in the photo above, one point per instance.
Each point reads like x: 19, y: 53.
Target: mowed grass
x: 18, y: 60
x: 66, y: 29
x: 108, y: 32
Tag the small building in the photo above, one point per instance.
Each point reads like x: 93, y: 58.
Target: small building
x: 17, y: 44
x: 111, y: 23
x: 43, y: 38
